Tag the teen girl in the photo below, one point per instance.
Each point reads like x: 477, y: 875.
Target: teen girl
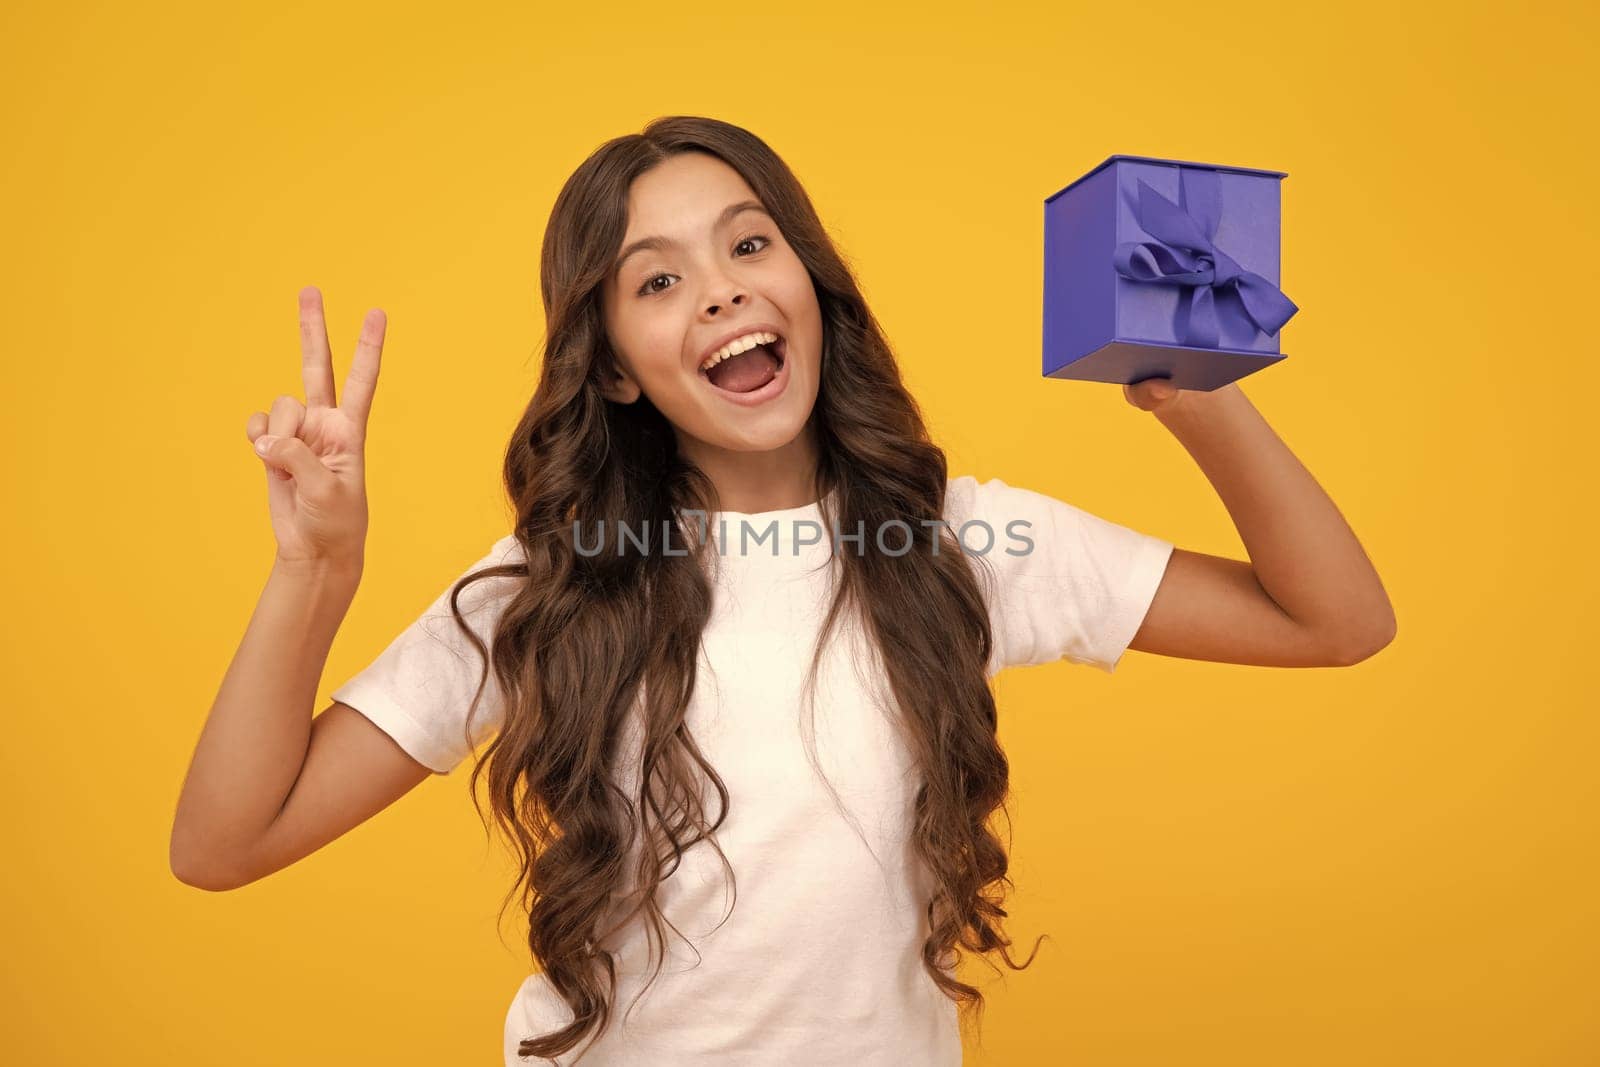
x: 747, y: 769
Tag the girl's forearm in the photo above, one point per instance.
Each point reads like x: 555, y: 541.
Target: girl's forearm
x: 255, y: 738
x: 1304, y: 554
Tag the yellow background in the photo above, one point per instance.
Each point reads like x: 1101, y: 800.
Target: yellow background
x: 1389, y: 864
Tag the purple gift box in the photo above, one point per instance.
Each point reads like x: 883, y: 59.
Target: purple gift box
x: 1163, y: 268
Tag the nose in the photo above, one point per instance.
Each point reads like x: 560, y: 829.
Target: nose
x: 725, y: 292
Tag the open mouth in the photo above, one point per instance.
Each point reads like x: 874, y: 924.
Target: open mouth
x: 750, y: 372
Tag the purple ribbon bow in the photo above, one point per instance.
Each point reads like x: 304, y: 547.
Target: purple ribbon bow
x: 1182, y: 254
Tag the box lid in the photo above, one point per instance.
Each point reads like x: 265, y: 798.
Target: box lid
x: 1172, y: 162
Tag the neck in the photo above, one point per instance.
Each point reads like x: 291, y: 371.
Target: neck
x: 753, y: 482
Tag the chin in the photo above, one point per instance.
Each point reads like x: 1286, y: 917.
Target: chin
x: 766, y: 432
x: 760, y: 438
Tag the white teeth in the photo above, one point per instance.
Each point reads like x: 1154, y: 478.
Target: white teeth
x: 737, y: 345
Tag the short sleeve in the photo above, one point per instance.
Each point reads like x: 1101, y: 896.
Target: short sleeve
x: 1060, y: 583
x: 419, y: 689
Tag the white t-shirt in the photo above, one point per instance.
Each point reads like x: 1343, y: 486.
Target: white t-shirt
x: 819, y: 961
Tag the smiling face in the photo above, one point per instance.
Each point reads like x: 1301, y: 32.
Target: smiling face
x: 715, y: 274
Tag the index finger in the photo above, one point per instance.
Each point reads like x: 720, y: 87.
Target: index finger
x: 316, y: 362
x: 362, y: 380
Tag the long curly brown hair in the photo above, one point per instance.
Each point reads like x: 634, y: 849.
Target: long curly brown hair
x: 584, y: 638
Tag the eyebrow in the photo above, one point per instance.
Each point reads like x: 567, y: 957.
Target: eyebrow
x: 663, y: 243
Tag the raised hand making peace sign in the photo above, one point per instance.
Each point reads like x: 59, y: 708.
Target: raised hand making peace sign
x: 313, y: 452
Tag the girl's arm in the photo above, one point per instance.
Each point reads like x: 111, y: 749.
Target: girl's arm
x: 1308, y: 597
x: 268, y: 783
